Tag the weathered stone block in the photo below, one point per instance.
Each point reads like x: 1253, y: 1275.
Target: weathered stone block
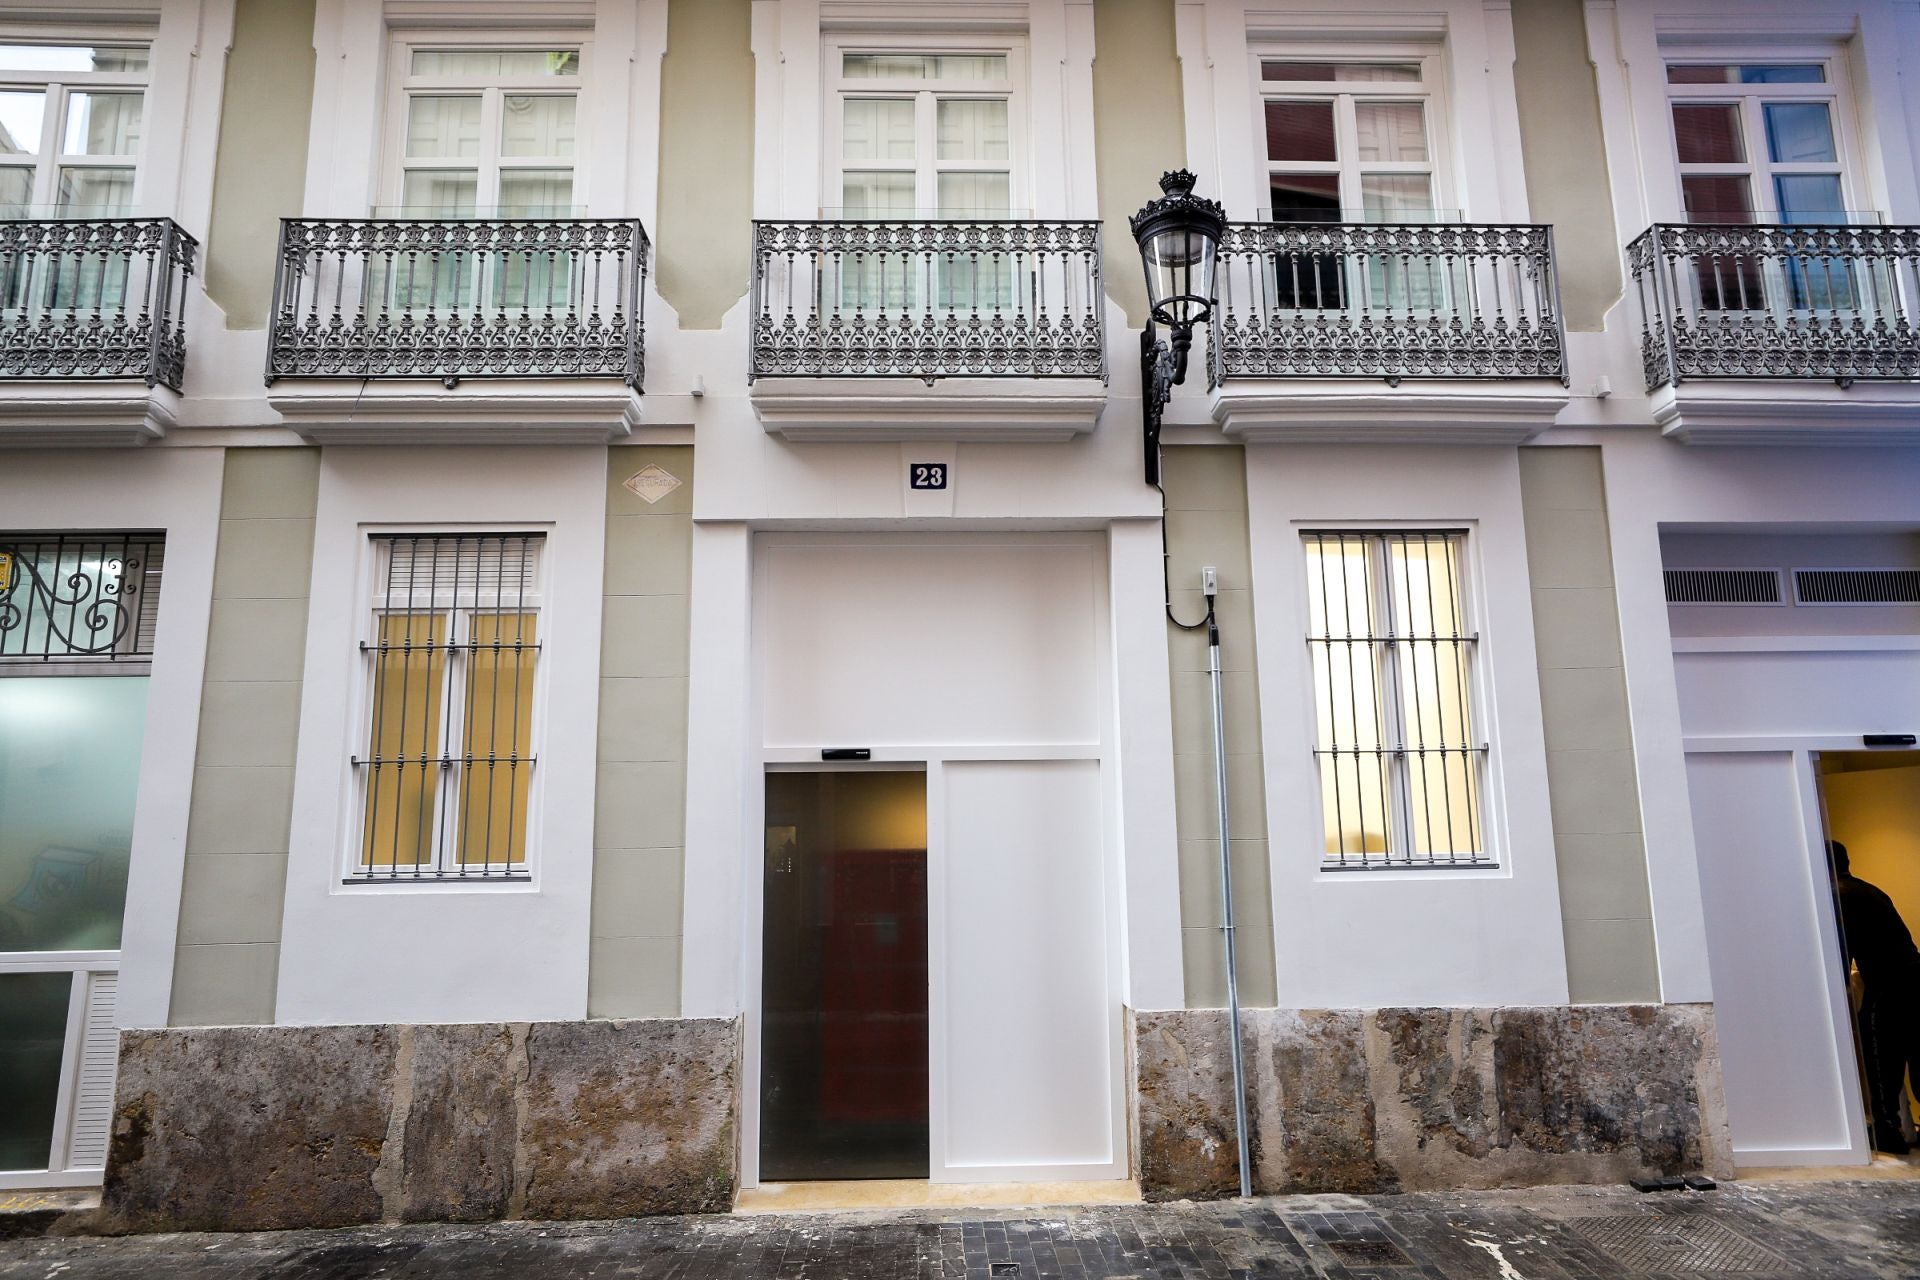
x: 627, y: 1118
x: 248, y: 1128
x: 456, y: 1093
x: 1430, y: 1099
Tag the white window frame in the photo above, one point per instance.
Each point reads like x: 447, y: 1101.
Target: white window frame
x: 452, y: 727
x: 1759, y: 168
x: 403, y: 86
x: 58, y: 85
x: 1430, y: 92
x: 1481, y: 714
x: 927, y: 165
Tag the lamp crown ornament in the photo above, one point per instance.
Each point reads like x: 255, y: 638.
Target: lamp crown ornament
x: 1178, y: 203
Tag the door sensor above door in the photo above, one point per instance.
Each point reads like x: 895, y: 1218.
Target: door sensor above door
x: 846, y: 753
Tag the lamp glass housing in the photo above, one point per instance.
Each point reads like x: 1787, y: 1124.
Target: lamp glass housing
x: 1180, y: 273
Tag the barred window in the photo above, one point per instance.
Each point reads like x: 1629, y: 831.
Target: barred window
x: 1393, y: 653
x: 451, y: 658
x: 88, y: 599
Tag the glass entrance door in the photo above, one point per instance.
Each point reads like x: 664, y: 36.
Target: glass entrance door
x: 843, y: 1057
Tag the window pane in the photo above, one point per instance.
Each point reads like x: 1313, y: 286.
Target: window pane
x: 96, y: 192
x: 877, y: 129
x: 914, y: 66
x: 1809, y: 197
x: 33, y: 1037
x: 103, y: 124
x: 69, y: 768
x: 1748, y: 73
x: 1300, y: 131
x: 1392, y: 131
x: 403, y: 766
x: 1799, y: 133
x: 1423, y: 577
x: 72, y: 57
x: 1347, y: 686
x: 451, y: 192
x: 443, y: 128
x: 876, y: 195
x: 496, y: 62
x: 1397, y: 198
x: 16, y: 189
x: 1361, y: 72
x: 1713, y: 198
x: 23, y: 119
x: 1305, y: 197
x: 979, y: 195
x: 536, y: 193
x: 536, y: 125
x: 1708, y: 133
x: 973, y: 129
x: 496, y: 779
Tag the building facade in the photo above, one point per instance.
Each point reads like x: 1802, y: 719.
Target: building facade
x: 582, y: 629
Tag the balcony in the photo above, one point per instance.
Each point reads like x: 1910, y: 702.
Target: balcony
x: 980, y: 329
x: 452, y: 329
x: 1752, y: 333
x: 84, y: 304
x: 1310, y: 311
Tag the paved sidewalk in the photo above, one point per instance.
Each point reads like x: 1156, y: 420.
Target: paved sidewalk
x: 1802, y: 1230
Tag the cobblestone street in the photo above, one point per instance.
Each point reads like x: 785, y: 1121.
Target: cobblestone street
x: 1803, y: 1230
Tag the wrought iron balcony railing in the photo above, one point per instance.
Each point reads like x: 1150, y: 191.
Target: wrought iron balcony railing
x: 935, y: 299
x: 1387, y: 300
x: 455, y: 298
x: 1734, y: 301
x: 94, y: 298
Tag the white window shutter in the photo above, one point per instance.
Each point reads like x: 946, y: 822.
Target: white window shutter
x: 92, y: 1122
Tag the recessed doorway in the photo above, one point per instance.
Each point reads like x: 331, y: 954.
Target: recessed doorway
x: 844, y: 1053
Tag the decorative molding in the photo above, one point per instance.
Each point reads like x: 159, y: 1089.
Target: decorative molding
x: 127, y: 414
x: 814, y: 409
x: 1345, y: 24
x: 1796, y: 644
x: 494, y: 413
x: 1320, y: 413
x: 922, y: 15
x: 1879, y: 414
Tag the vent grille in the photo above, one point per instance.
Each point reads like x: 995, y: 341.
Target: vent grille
x: 1723, y: 586
x: 1857, y: 586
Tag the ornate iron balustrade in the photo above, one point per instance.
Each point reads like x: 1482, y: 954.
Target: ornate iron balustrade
x: 94, y: 298
x: 1736, y: 301
x: 455, y: 298
x: 937, y: 299
x: 79, y: 597
x: 1387, y: 300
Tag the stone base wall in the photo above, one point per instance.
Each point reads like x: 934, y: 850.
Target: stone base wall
x: 262, y: 1128
x: 1430, y: 1099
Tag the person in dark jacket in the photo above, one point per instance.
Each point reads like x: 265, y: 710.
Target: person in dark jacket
x: 1875, y: 939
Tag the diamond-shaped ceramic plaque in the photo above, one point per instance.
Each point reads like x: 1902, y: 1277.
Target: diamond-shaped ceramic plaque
x: 652, y: 483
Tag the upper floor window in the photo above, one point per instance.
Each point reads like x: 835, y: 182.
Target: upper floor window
x: 1349, y: 141
x: 1758, y: 141
x: 1393, y: 679
x: 485, y: 131
x: 451, y: 649
x: 919, y: 134
x: 70, y: 126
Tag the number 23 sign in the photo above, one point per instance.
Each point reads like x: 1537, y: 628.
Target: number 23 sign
x: 927, y: 475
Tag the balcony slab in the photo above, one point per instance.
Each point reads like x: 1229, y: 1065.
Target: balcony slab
x: 1703, y: 412
x: 46, y: 415
x: 422, y: 411
x: 1320, y: 412
x: 895, y: 409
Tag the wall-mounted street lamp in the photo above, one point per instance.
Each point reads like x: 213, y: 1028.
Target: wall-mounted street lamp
x: 1179, y: 237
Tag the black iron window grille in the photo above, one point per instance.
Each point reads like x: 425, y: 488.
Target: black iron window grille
x: 1387, y: 300
x: 1750, y: 301
x: 94, y: 298
x: 950, y: 298
x: 451, y: 659
x: 87, y: 599
x: 1401, y: 771
x: 455, y: 298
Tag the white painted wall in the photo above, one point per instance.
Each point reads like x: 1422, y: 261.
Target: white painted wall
x: 1362, y: 940
x: 446, y: 951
